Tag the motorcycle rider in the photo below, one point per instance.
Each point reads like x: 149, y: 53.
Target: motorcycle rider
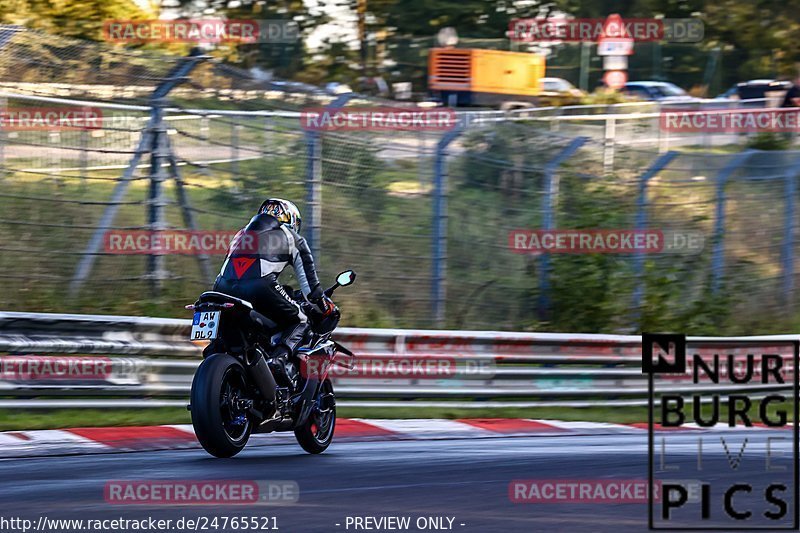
x: 258, y: 254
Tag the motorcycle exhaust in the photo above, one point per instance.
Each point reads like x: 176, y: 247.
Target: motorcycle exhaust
x: 262, y: 375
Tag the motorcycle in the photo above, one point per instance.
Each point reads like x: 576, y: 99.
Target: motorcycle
x: 236, y: 392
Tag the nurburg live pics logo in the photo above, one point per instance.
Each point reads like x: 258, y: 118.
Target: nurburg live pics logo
x: 726, y: 451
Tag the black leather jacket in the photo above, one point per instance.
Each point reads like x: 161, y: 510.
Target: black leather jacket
x: 265, y: 247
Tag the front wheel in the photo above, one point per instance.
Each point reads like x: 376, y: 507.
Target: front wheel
x: 317, y: 433
x: 220, y: 399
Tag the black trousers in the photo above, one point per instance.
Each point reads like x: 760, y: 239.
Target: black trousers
x: 268, y: 298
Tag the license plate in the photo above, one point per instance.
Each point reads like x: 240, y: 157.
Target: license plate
x: 205, y: 325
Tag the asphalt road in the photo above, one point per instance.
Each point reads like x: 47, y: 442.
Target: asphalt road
x: 466, y: 480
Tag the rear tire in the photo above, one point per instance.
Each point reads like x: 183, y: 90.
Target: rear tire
x: 218, y: 384
x: 317, y: 433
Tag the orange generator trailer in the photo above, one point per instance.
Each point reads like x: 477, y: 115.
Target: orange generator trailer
x: 471, y: 77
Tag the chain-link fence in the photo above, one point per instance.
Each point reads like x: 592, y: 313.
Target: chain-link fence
x: 427, y: 218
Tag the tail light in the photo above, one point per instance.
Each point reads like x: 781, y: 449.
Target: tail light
x: 226, y: 305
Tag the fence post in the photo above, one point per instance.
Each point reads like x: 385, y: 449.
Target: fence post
x: 787, y: 250
x: 421, y: 153
x: 204, y: 127
x: 54, y: 159
x: 156, y: 201
x: 314, y: 182
x: 608, y: 145
x: 549, y: 204
x: 268, y: 141
x: 314, y: 191
x: 583, y: 74
x: 84, y: 157
x: 663, y: 136
x: 555, y: 124
x: 718, y: 251
x: 235, y: 148
x: 439, y: 235
x: 3, y: 105
x: 641, y: 224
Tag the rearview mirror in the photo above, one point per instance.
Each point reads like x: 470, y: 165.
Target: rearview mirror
x: 346, y: 278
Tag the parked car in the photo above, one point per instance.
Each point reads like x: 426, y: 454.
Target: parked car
x: 335, y: 88
x: 658, y: 91
x: 558, y: 91
x: 757, y: 90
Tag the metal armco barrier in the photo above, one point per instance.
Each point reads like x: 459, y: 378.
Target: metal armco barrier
x: 76, y: 361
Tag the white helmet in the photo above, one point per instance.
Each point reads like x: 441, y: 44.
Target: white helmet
x: 284, y: 210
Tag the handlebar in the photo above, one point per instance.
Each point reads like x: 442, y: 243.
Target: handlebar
x: 329, y: 291
x: 343, y: 279
x: 298, y: 294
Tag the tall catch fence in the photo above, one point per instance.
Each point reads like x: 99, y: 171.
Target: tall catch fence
x: 427, y: 218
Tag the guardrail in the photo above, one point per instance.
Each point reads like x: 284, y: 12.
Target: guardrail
x: 65, y: 361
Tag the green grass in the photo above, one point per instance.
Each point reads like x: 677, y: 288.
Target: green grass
x: 596, y: 414
x: 16, y: 419
x: 12, y: 420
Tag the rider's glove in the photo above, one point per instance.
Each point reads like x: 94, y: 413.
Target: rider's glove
x: 326, y: 306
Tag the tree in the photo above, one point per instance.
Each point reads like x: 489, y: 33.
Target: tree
x: 82, y: 19
x: 285, y: 59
